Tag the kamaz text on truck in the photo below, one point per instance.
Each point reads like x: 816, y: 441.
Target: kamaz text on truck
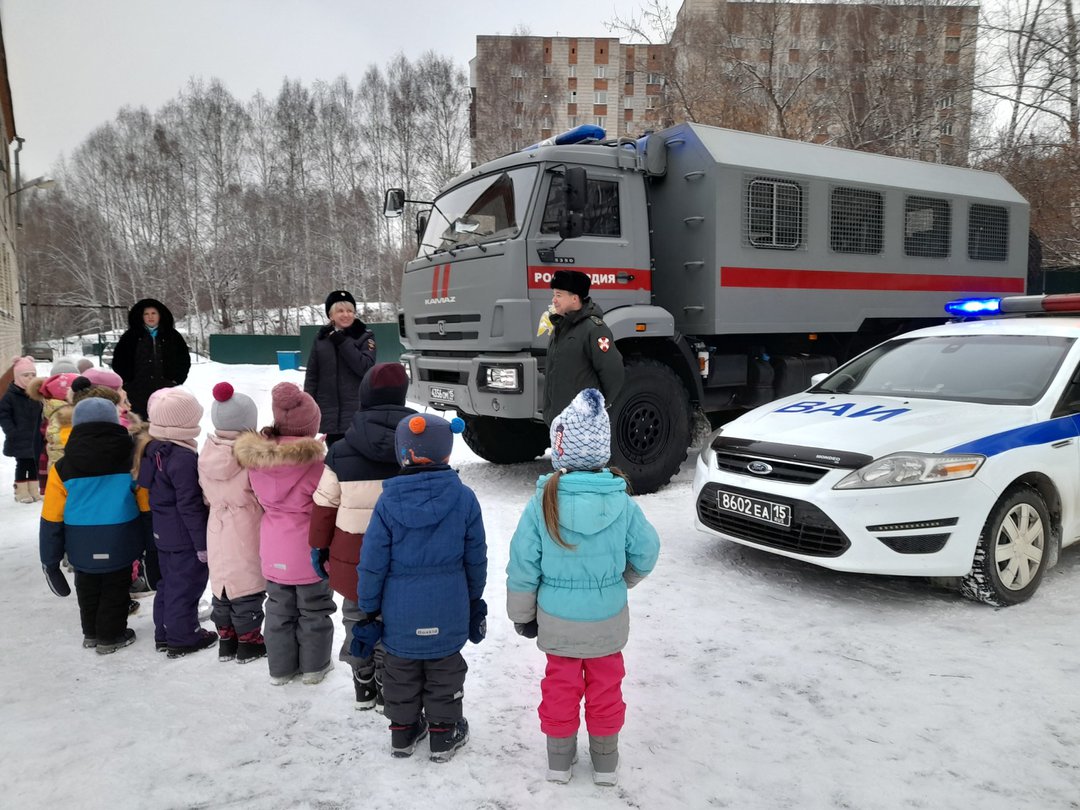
x: 731, y: 267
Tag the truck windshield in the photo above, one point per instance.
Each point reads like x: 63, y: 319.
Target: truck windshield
x: 487, y: 209
x: 993, y: 369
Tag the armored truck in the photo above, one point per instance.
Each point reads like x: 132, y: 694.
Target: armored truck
x: 731, y: 267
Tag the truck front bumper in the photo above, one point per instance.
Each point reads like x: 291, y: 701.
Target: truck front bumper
x: 503, y: 385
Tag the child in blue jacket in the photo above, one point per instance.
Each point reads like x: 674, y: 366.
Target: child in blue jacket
x: 423, y: 567
x: 581, y: 542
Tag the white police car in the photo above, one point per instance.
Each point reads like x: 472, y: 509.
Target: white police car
x: 951, y: 451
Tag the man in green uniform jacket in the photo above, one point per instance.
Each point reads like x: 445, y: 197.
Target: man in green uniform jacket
x: 582, y: 352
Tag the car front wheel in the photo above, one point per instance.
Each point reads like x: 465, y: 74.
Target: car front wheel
x: 1013, y: 550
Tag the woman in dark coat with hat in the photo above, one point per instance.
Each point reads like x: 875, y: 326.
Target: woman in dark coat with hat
x: 151, y: 354
x: 343, y: 352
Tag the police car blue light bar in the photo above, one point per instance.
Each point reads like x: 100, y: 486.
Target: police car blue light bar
x: 1015, y: 304
x: 585, y: 133
x: 974, y: 306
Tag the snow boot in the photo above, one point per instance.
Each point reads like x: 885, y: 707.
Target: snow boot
x: 161, y: 646
x: 380, y: 701
x: 133, y: 607
x: 312, y: 678
x: 203, y: 640
x: 140, y: 587
x: 605, y: 758
x: 106, y: 647
x: 89, y: 642
x: 561, y: 754
x: 366, y: 691
x: 227, y: 644
x: 403, y: 738
x: 22, y: 492
x: 252, y: 646
x: 35, y: 491
x: 447, y: 738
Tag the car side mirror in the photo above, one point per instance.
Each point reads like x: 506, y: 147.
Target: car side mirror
x: 394, y: 202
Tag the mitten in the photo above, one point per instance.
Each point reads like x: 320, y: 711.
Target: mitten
x: 528, y: 629
x: 366, y: 635
x: 202, y: 556
x: 337, y: 337
x: 58, y: 583
x: 477, y: 620
x: 319, y: 556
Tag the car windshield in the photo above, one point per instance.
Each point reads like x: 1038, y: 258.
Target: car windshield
x: 487, y: 209
x: 993, y: 369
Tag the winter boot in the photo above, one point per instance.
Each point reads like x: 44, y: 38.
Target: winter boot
x: 562, y: 754
x: 140, y: 587
x: 227, y: 644
x: 106, y: 647
x: 380, y: 702
x: 22, y: 492
x: 366, y: 691
x: 312, y: 678
x: 89, y: 642
x: 35, y: 491
x: 203, y: 639
x: 605, y: 758
x: 251, y: 647
x: 403, y: 738
x: 447, y: 738
x: 133, y: 607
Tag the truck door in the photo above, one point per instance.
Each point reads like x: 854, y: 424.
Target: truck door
x: 613, y: 250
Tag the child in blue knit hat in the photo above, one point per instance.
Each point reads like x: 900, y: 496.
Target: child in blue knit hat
x: 580, y: 544
x: 422, y: 571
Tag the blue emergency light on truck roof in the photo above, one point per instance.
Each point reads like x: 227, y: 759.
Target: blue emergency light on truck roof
x: 1015, y: 304
x: 585, y: 133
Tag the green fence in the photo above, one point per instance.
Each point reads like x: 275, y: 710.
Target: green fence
x: 262, y: 349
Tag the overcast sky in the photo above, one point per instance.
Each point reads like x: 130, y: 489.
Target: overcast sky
x: 73, y: 63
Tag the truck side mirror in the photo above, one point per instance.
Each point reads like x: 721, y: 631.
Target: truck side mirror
x: 572, y: 225
x: 422, y: 218
x: 574, y: 182
x: 394, y: 202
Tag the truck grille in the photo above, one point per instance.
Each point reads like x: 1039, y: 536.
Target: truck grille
x: 446, y: 327
x: 780, y: 470
x: 811, y: 532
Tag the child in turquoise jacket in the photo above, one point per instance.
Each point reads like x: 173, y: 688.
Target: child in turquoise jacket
x: 580, y: 544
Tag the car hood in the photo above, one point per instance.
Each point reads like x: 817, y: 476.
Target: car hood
x: 877, y: 426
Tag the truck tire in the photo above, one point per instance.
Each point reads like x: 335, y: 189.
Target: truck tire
x: 505, y: 441
x: 650, y: 425
x: 1012, y: 552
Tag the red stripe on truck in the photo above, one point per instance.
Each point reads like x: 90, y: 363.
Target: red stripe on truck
x: 601, y: 278
x: 773, y: 278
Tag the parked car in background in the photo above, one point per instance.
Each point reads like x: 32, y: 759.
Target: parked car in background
x: 952, y: 451
x: 42, y: 352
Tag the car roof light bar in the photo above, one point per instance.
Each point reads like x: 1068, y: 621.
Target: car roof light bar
x: 974, y: 306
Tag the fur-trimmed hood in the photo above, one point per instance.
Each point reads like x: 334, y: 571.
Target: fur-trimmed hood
x: 33, y: 388
x: 255, y: 451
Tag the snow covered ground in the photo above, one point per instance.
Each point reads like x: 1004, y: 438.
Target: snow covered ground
x: 752, y: 682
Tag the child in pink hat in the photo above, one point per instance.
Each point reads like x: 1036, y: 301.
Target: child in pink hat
x: 284, y: 465
x: 20, y: 418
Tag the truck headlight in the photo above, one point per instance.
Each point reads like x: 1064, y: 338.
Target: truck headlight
x: 905, y: 469
x: 504, y: 379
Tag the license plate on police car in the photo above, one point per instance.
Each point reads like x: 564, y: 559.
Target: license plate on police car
x: 756, y: 508
x: 442, y: 394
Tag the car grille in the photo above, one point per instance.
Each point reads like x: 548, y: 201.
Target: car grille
x: 780, y: 470
x: 811, y: 532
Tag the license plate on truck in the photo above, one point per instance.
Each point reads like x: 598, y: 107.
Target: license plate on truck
x: 778, y: 514
x: 442, y: 394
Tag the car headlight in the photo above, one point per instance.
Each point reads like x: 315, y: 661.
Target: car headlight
x: 905, y: 469
x: 506, y: 379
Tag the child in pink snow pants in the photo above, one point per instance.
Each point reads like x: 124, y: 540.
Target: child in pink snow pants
x: 580, y: 544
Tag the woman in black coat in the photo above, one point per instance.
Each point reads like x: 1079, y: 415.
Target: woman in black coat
x: 151, y: 354
x: 343, y: 352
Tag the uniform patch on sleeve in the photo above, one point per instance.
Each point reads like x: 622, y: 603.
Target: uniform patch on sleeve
x: 603, y: 343
x: 371, y: 344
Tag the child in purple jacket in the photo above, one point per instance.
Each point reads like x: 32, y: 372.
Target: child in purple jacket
x: 169, y: 470
x: 284, y: 465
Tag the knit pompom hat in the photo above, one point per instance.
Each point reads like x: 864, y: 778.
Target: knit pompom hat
x: 425, y: 439
x: 102, y: 376
x: 295, y: 412
x: 57, y: 386
x: 384, y: 384
x: 65, y: 365
x: 174, y: 414
x: 232, y: 410
x: 581, y: 434
x: 82, y: 388
x: 95, y: 409
x: 21, y: 365
x: 84, y: 365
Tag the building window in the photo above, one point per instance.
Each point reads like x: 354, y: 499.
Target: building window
x: 600, y: 97
x: 601, y: 213
x: 856, y: 218
x: 571, y: 71
x: 547, y: 72
x: 572, y: 95
x: 825, y: 44
x: 601, y: 71
x: 952, y: 43
x: 927, y: 227
x: 652, y: 102
x: 547, y: 123
x: 774, y: 213
x: 517, y: 72
x: 654, y: 78
x: 946, y: 128
x: 988, y: 233
x: 629, y: 79
x: 601, y: 121
x: 571, y: 121
x: 946, y: 101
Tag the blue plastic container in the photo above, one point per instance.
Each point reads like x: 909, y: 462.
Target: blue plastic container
x: 288, y: 361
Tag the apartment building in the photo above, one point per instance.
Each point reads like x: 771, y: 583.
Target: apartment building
x: 10, y: 310
x: 890, y: 78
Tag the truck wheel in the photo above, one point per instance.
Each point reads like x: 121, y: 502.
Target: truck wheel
x: 650, y: 425
x: 505, y: 441
x: 1012, y: 552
